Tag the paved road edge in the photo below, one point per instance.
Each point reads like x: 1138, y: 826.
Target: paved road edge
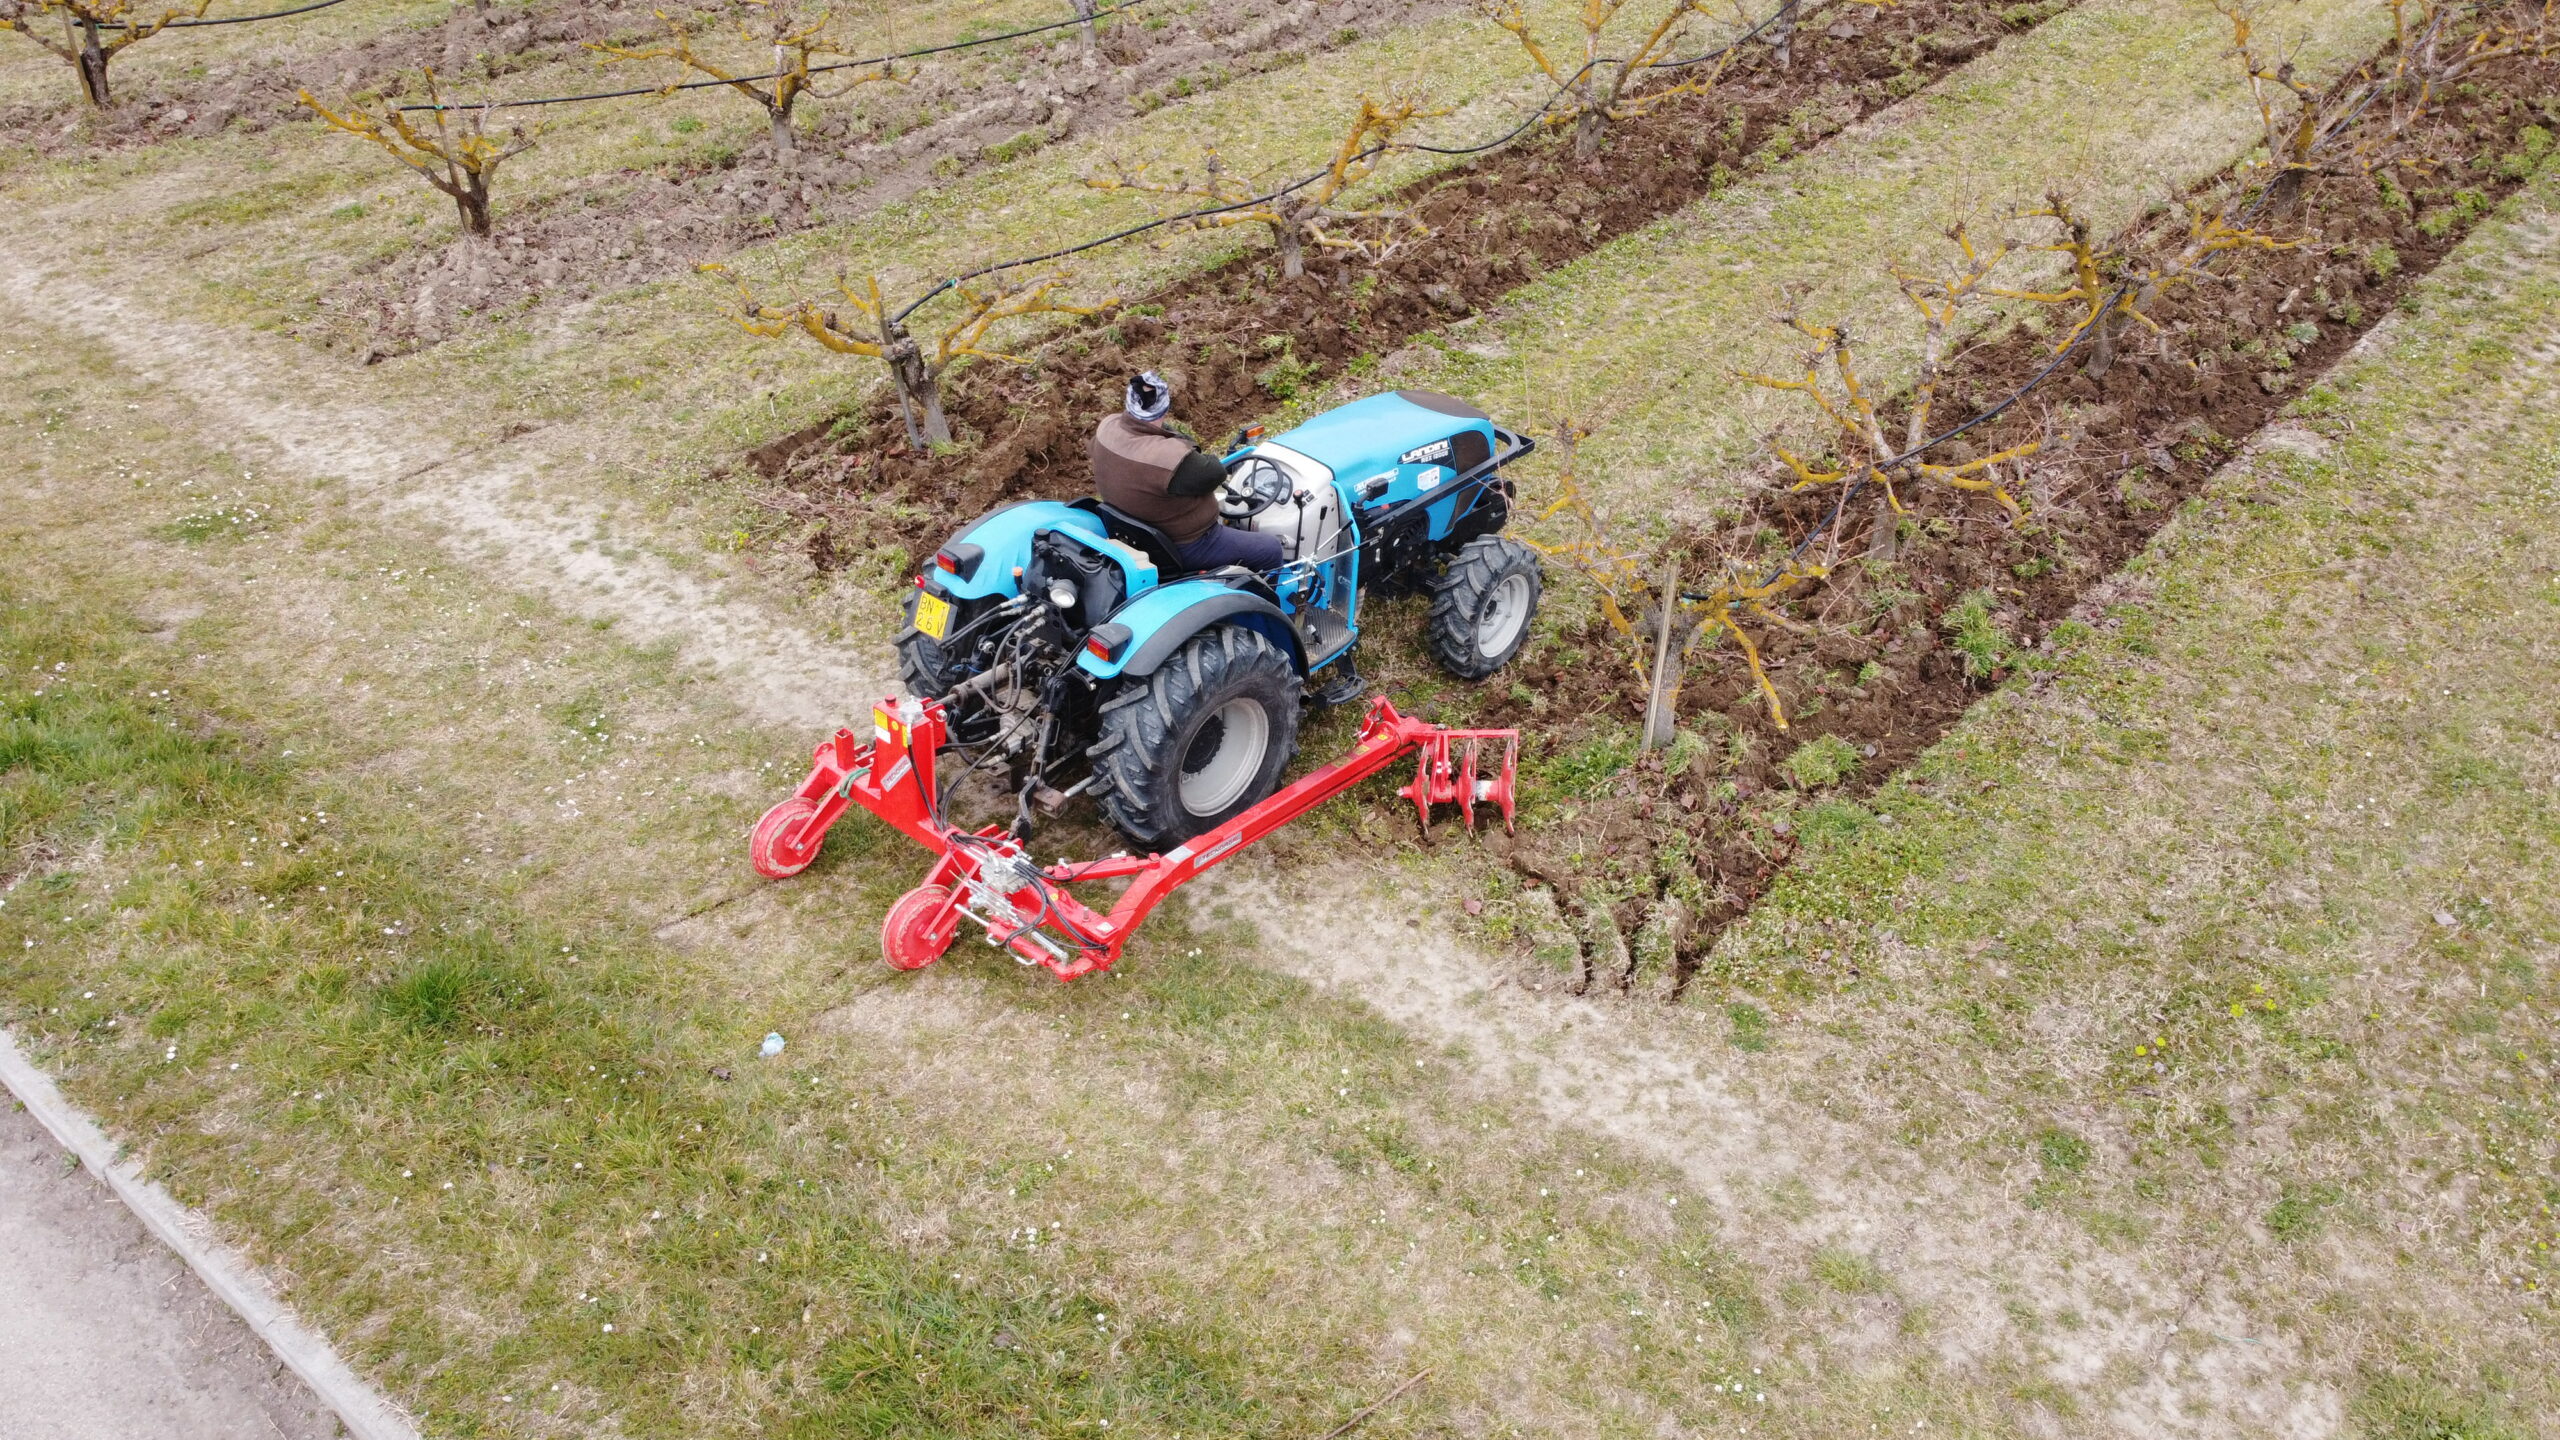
x: 366, y: 1414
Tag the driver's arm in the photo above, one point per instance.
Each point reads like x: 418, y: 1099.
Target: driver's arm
x: 1197, y: 475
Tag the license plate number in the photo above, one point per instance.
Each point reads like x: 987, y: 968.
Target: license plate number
x: 933, y: 615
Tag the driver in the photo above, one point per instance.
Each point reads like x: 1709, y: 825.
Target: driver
x: 1145, y: 468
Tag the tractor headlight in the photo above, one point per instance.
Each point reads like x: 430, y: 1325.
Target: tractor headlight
x: 1063, y: 593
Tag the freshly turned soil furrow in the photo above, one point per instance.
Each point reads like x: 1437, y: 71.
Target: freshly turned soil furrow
x: 2134, y: 445
x: 1501, y: 219
x: 875, y: 148
x: 473, y: 47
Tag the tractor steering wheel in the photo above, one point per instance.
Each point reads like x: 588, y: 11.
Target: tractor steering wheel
x: 1253, y: 486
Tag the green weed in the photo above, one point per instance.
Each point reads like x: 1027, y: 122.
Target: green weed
x: 1847, y: 1271
x: 2061, y: 1152
x: 1983, y: 647
x: 2297, y: 1215
x: 1582, y: 770
x: 1750, y: 1026
x: 1822, y: 762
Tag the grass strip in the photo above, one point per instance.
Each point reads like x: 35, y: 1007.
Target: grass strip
x: 2232, y: 936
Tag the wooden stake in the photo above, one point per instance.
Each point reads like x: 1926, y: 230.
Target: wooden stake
x: 1660, y: 723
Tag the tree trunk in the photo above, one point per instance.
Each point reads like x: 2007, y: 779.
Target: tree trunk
x: 1884, y: 533
x: 1587, y: 130
x: 1293, y: 253
x: 786, y: 150
x: 1782, y: 37
x: 919, y: 389
x: 1662, y: 696
x: 473, y: 202
x: 2102, y: 348
x: 93, y: 66
x: 937, y: 430
x: 1084, y: 12
x: 2284, y: 192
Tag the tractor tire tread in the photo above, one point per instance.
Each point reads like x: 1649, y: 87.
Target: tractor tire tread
x: 1459, y: 595
x: 1133, y: 772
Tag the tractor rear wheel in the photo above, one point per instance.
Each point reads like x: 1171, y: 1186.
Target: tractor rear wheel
x: 1481, y: 606
x: 1193, y: 745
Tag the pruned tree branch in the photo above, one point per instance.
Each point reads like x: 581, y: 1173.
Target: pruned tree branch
x: 1314, y: 214
x: 1602, y: 90
x: 94, y: 32
x: 867, y: 327
x: 798, y: 35
x: 455, y: 151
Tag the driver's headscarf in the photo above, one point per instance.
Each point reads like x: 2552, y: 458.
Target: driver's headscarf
x: 1150, y: 399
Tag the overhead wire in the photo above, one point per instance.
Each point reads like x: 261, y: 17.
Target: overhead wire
x: 1789, y: 8
x: 245, y: 19
x: 1849, y: 492
x: 829, y: 68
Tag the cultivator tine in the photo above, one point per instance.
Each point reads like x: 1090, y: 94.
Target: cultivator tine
x: 1419, y: 792
x: 1453, y: 769
x: 1467, y: 785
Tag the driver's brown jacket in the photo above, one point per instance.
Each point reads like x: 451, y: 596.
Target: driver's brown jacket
x: 1149, y: 472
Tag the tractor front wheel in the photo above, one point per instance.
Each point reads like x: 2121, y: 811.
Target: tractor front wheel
x: 1193, y: 745
x: 1481, y: 606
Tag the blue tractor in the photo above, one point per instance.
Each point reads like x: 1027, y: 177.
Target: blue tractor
x: 1068, y: 643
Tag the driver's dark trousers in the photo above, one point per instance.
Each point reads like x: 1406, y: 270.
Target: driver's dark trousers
x: 1226, y: 545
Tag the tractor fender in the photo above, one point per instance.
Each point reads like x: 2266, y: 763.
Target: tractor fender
x: 1163, y: 618
x: 1005, y: 535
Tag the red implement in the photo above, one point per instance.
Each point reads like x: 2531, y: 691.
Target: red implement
x: 986, y: 877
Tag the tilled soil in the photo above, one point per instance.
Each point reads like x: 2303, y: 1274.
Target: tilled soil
x: 1229, y: 338
x: 877, y: 145
x: 473, y: 46
x: 1877, y: 667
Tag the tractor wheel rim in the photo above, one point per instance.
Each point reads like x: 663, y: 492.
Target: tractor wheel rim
x: 1224, y: 756
x: 1505, y: 611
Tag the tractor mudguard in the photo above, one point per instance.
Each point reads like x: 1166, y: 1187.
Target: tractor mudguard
x: 1162, y: 618
x: 1004, y: 534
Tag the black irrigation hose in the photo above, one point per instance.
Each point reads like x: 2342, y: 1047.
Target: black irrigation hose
x: 1858, y: 486
x: 245, y: 19
x: 773, y: 75
x: 1853, y: 489
x: 1849, y: 492
x: 1534, y: 116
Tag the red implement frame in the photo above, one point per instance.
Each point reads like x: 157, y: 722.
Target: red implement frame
x: 985, y: 876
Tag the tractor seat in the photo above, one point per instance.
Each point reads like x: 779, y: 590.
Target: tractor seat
x: 1146, y: 539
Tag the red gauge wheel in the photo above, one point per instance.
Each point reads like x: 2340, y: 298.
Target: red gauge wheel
x: 772, y: 848
x: 919, y: 928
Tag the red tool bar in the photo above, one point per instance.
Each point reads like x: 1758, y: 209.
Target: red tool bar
x: 987, y: 876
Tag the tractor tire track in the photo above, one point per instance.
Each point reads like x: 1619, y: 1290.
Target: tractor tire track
x: 1785, y: 1180
x: 487, y: 499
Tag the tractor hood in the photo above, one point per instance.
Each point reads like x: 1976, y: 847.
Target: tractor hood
x: 1378, y: 434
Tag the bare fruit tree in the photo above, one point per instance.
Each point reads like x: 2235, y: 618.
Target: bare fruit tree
x: 93, y: 32
x: 1601, y: 92
x: 2432, y: 51
x: 454, y: 149
x: 1311, y: 213
x: 2109, y: 289
x: 867, y: 327
x: 796, y: 34
x: 1863, y: 453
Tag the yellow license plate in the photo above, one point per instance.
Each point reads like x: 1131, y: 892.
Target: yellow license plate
x: 933, y: 615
